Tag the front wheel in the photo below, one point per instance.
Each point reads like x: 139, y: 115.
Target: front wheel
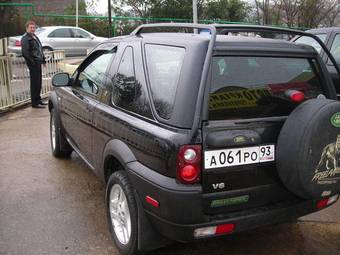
x: 59, y: 145
x: 122, y: 213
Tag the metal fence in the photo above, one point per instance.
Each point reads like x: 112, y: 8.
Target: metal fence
x: 15, y: 78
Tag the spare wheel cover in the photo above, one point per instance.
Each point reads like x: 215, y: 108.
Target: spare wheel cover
x: 308, y: 149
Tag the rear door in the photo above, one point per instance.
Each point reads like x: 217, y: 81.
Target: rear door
x: 250, y: 97
x: 61, y: 39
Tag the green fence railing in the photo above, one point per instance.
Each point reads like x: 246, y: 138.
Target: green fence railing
x: 28, y: 14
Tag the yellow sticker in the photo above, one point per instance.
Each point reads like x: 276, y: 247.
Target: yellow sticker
x: 237, y: 98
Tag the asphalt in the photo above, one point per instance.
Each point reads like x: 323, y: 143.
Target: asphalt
x: 56, y: 206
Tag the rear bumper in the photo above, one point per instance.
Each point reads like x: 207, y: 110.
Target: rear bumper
x: 180, y: 209
x: 243, y: 220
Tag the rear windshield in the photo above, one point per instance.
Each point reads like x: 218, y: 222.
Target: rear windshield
x: 254, y: 87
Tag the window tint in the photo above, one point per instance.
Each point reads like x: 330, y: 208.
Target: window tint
x: 164, y: 64
x: 311, y: 42
x: 80, y: 33
x: 61, y: 33
x: 252, y: 87
x: 128, y: 93
x: 92, y: 76
x: 335, y: 50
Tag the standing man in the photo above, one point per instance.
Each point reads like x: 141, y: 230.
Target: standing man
x: 32, y: 52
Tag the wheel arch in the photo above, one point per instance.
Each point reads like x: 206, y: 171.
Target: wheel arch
x: 53, y: 103
x: 115, y: 157
x: 45, y: 46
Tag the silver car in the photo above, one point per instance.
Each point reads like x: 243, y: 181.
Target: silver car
x: 74, y: 40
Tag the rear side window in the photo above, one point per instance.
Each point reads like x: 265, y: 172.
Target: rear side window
x: 164, y: 65
x: 80, y: 33
x: 128, y: 93
x: 61, y: 33
x: 253, y: 87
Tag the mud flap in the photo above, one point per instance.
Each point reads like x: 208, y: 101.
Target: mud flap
x: 148, y: 238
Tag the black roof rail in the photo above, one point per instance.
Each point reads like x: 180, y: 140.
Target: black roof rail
x: 230, y: 28
x: 256, y: 28
x: 139, y: 29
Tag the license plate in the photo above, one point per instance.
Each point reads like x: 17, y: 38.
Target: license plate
x: 239, y: 156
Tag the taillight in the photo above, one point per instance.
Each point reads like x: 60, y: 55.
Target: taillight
x: 326, y: 202
x: 295, y: 95
x: 189, y: 164
x: 18, y: 43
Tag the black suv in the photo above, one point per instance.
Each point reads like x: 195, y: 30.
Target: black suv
x: 199, y: 135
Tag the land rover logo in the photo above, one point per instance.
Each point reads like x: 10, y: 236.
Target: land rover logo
x: 335, y: 119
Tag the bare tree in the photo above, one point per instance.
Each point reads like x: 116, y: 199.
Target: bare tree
x: 290, y: 9
x: 317, y: 12
x: 331, y: 13
x: 268, y: 11
x: 302, y: 13
x: 137, y: 8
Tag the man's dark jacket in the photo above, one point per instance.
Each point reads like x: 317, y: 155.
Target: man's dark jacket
x: 31, y: 50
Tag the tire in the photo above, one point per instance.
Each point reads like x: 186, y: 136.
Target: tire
x: 48, y: 53
x: 59, y: 146
x: 122, y: 213
x: 308, y: 149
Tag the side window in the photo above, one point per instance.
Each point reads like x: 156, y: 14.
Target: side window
x: 91, y: 77
x: 164, y: 64
x: 335, y: 49
x: 61, y: 33
x: 80, y: 33
x: 127, y: 92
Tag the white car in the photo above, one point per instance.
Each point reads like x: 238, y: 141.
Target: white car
x: 74, y: 40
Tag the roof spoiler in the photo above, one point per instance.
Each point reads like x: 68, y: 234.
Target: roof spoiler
x: 228, y: 28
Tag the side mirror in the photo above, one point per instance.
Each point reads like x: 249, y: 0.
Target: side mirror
x: 61, y: 79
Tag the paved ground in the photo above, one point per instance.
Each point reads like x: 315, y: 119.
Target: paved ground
x: 53, y: 206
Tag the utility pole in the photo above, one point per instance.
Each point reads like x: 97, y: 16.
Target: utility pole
x: 110, y: 18
x: 194, y: 11
x: 76, y: 13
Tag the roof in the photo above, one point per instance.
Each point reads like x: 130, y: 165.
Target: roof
x: 53, y: 27
x: 221, y: 40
